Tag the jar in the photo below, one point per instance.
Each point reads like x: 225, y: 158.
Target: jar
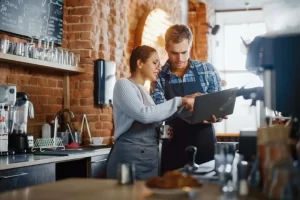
x: 276, y: 153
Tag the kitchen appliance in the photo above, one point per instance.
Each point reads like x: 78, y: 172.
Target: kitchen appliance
x: 105, y: 79
x: 18, y: 140
x: 7, y: 101
x: 277, y: 60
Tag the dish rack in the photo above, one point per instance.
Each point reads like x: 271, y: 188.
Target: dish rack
x: 48, y: 143
x: 56, y: 142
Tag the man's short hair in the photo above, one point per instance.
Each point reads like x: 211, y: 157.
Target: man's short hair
x: 177, y: 33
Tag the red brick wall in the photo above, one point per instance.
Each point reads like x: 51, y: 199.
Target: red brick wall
x: 94, y: 29
x: 136, y: 8
x: 45, y: 89
x: 197, y: 22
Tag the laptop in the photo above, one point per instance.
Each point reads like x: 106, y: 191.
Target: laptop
x: 219, y: 104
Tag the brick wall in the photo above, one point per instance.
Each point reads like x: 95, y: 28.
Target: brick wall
x: 94, y: 29
x: 45, y: 89
x: 197, y: 23
x: 211, y: 19
x: 136, y: 8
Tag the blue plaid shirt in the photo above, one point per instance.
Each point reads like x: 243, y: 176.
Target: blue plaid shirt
x: 209, y: 79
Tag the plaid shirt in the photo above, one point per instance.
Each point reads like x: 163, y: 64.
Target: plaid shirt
x: 209, y: 79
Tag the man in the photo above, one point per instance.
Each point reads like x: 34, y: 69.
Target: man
x: 181, y: 76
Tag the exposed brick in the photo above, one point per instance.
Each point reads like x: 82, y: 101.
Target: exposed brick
x: 93, y: 118
x: 81, y: 11
x: 73, y: 3
x: 89, y: 19
x: 94, y: 29
x: 87, y: 85
x: 58, y: 92
x: 73, y: 36
x: 89, y: 69
x: 104, y: 117
x: 82, y: 93
x: 55, y: 100
x: 87, y: 61
x: 87, y: 102
x: 86, y: 35
x: 75, y: 102
x: 43, y: 99
x: 98, y: 125
x: 81, y: 45
x: 73, y: 19
x: 52, y: 83
x: 86, y: 53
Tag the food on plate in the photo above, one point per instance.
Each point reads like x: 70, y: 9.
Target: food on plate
x: 173, y: 180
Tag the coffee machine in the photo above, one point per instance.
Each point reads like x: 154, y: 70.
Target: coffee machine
x: 7, y: 101
x: 18, y: 140
x: 276, y: 59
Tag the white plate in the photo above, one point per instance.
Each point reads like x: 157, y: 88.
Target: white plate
x: 179, y: 191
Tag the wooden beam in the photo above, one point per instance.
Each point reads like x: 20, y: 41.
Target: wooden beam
x: 66, y: 89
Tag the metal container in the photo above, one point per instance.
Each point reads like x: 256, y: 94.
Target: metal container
x: 164, y: 131
x: 126, y: 173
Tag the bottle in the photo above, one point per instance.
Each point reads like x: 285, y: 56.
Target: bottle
x: 243, y: 188
x: 46, y: 131
x: 3, y: 133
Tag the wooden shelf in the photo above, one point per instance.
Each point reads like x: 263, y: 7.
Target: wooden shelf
x: 29, y: 62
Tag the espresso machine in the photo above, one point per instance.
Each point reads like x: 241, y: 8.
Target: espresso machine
x: 7, y: 102
x: 18, y: 140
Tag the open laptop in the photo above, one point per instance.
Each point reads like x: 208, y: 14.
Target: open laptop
x: 219, y: 104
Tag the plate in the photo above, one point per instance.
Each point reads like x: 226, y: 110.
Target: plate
x: 177, y: 191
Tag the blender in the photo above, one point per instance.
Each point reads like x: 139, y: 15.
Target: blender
x: 18, y: 141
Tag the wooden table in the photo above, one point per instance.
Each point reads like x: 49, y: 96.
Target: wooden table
x: 96, y: 189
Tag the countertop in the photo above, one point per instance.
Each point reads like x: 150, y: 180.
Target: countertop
x: 95, y: 189
x: 23, y: 160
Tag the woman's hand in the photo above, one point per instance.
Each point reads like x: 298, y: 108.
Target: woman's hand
x: 188, y: 103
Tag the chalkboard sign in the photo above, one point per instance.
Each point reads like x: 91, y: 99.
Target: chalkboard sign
x: 32, y: 18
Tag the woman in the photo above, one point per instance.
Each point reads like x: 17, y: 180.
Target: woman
x: 136, y: 116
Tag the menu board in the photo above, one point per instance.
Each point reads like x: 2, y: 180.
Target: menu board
x: 30, y: 18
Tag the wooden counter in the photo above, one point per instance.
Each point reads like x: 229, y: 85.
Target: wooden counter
x: 95, y: 189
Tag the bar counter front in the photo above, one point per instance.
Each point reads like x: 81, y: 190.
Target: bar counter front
x: 95, y: 189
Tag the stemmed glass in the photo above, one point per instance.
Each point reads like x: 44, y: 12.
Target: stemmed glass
x: 51, y: 53
x: 46, y: 49
x: 40, y: 50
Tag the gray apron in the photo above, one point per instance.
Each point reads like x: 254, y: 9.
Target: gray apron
x: 138, y: 145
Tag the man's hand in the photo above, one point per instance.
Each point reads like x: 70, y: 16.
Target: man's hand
x: 214, y: 120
